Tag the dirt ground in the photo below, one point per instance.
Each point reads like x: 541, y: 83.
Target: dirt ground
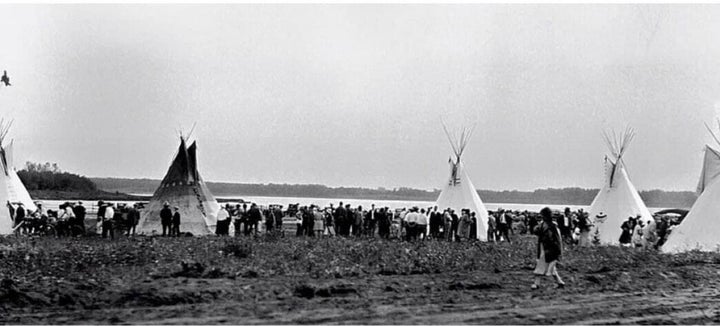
x: 345, y: 281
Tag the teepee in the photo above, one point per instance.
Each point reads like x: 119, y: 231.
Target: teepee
x: 699, y: 228
x: 618, y: 199
x: 12, y: 189
x: 182, y: 187
x: 458, y: 192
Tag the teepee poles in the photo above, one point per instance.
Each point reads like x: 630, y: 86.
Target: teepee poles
x: 618, y: 144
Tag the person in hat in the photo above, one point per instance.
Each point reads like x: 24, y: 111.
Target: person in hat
x: 166, y: 216
x: 175, y: 230
x: 549, y: 249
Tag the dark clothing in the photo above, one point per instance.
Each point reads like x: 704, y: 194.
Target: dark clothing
x: 20, y: 213
x: 166, y: 216
x: 626, y: 235
x: 435, y: 222
x: 166, y: 220
x: 254, y: 217
x: 175, y: 231
x: 383, y: 222
x: 454, y: 227
x: 551, y: 241
x: 108, y: 227
x: 340, y: 213
x: 473, y: 229
x: 583, y: 224
x: 277, y: 214
x: 269, y: 221
x: 80, y: 213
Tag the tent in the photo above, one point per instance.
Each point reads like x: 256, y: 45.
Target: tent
x: 698, y: 230
x: 183, y: 187
x: 458, y: 192
x: 12, y: 189
x: 618, y: 199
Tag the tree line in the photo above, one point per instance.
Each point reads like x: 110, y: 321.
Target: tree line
x: 558, y: 196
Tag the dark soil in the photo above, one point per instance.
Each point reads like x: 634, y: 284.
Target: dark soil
x: 273, y: 280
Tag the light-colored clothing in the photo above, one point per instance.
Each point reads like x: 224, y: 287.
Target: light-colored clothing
x: 67, y: 214
x: 650, y: 235
x: 109, y: 213
x: 412, y: 217
x: 422, y: 219
x: 319, y: 221
x: 544, y: 268
x: 637, y: 237
x: 222, y: 215
x: 584, y: 239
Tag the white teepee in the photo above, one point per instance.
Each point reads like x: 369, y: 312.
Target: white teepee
x: 12, y: 191
x: 458, y: 193
x: 182, y: 187
x: 699, y: 228
x: 618, y: 199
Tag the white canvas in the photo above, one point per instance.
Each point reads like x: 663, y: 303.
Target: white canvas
x: 459, y: 193
x: 16, y: 191
x: 617, y: 200
x: 699, y: 228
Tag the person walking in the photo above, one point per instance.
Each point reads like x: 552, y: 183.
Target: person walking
x: 549, y: 249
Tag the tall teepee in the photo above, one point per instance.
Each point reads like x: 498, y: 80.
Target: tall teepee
x: 699, y: 229
x: 182, y: 187
x: 458, y: 193
x: 11, y: 188
x: 618, y: 199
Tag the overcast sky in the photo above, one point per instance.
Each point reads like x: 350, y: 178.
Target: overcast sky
x: 352, y: 95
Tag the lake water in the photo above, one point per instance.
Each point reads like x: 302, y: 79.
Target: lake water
x: 365, y: 203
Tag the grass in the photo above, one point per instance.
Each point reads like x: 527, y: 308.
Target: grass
x: 93, y: 273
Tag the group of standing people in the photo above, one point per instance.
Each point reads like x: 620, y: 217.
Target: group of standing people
x: 639, y: 234
x: 246, y: 221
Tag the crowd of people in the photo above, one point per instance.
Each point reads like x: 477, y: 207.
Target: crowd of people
x: 408, y: 224
x: 70, y: 219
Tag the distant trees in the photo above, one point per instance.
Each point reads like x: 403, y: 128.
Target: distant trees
x: 550, y: 196
x: 48, y: 176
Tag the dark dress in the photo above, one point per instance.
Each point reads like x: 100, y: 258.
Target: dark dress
x: 626, y: 236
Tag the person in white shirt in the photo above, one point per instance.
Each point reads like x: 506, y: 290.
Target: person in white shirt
x: 422, y: 224
x: 107, y: 221
x: 222, y: 226
x: 411, y: 221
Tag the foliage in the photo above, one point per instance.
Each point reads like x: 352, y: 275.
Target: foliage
x: 48, y: 176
